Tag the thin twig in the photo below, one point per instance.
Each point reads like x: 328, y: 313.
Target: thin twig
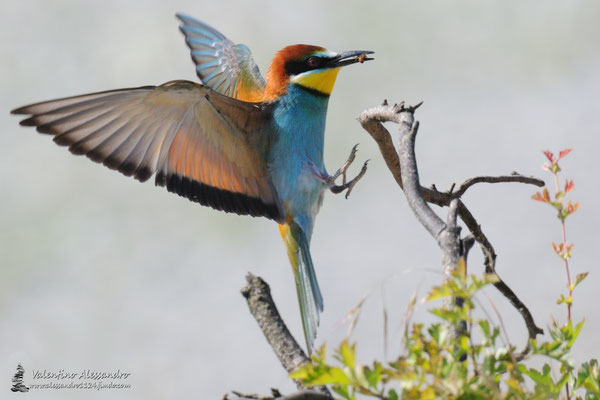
x: 515, y: 177
x: 489, y: 256
x: 500, y: 320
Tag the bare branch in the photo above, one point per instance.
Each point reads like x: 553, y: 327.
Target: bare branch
x: 306, y: 395
x: 410, y: 177
x: 447, y: 235
x: 290, y: 354
x: 371, y: 120
x: 515, y: 177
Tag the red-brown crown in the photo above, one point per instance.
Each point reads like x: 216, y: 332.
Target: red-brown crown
x: 277, y: 78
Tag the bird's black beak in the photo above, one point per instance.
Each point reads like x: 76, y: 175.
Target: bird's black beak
x: 349, y: 57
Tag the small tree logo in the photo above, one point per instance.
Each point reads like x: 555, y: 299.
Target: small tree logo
x: 17, y: 380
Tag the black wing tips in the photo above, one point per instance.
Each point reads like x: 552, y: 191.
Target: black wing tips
x: 219, y: 199
x: 20, y: 111
x: 26, y: 110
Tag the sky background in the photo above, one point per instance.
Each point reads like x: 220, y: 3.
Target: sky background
x: 102, y: 272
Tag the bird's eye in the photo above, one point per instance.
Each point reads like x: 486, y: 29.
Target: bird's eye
x: 313, y: 62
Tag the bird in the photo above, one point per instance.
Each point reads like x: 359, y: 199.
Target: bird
x: 236, y: 142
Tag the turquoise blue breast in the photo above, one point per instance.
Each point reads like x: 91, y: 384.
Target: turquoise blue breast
x: 299, y: 120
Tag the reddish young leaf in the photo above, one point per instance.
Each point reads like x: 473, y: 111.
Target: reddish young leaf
x: 570, y: 246
x: 546, y: 195
x: 537, y: 197
x: 563, y: 153
x: 557, y: 248
x: 549, y: 156
x: 569, y: 185
x: 572, y: 207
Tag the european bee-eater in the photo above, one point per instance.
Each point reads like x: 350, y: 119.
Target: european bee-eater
x: 237, y: 143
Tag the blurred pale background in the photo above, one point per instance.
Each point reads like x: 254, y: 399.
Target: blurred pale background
x: 102, y: 272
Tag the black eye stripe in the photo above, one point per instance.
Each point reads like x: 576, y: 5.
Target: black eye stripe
x: 298, y: 67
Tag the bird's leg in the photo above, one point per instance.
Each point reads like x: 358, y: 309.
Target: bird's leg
x: 349, y: 185
x: 342, y: 170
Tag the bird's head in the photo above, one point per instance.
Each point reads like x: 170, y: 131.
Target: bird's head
x: 312, y: 67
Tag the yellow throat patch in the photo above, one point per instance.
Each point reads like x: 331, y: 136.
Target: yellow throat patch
x: 319, y: 80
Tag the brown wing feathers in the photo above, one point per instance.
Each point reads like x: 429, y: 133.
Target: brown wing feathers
x: 201, y: 145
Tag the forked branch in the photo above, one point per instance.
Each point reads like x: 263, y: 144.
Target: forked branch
x: 402, y: 165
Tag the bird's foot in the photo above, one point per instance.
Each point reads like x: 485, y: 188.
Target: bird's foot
x: 344, y: 168
x: 350, y: 185
x: 347, y: 185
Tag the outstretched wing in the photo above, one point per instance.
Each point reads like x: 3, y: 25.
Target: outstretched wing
x: 223, y: 66
x: 200, y: 144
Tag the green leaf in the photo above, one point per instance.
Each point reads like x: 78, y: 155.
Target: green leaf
x: 319, y: 374
x: 346, y: 354
x: 537, y: 376
x: 563, y: 380
x: 575, y: 333
x: 485, y: 328
x: 359, y: 375
x: 320, y: 355
x: 342, y: 391
x: 561, y: 299
x: 451, y: 316
x: 579, y: 278
x: 439, y: 292
x: 439, y: 333
x: 373, y: 376
x: 588, y: 377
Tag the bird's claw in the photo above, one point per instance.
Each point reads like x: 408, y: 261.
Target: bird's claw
x: 350, y: 185
x: 344, y: 168
x: 329, y: 180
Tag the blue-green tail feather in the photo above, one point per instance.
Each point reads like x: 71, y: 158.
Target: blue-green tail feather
x: 307, y: 287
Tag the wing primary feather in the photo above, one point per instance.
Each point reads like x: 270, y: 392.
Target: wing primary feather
x: 162, y: 162
x: 149, y: 161
x: 117, y: 157
x: 81, y: 146
x: 200, y: 53
x: 101, y: 135
x: 59, y: 129
x: 63, y: 104
x: 215, y: 55
x: 217, y: 142
x: 133, y: 161
x: 45, y: 121
x: 112, y: 140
